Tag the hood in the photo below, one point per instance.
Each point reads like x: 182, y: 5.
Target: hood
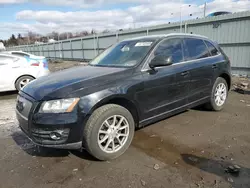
x: 62, y: 83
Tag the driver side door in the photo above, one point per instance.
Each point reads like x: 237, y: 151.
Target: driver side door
x: 165, y: 88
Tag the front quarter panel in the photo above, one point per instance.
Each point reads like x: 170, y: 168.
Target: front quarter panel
x: 126, y: 89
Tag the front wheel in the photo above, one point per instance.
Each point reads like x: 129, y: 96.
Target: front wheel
x: 219, y: 95
x: 108, y: 132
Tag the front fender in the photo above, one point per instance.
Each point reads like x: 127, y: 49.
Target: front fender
x: 90, y: 102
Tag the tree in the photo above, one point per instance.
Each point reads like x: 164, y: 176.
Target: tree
x: 69, y: 35
x: 19, y: 36
x: 93, y: 32
x: 84, y: 33
x: 55, y: 35
x: 12, y: 41
x: 63, y: 36
x: 13, y: 37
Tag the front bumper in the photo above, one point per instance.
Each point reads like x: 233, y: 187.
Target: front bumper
x: 40, y: 128
x: 71, y: 146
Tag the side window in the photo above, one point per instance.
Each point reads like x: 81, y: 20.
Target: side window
x: 195, y: 49
x: 213, y: 51
x: 171, y: 47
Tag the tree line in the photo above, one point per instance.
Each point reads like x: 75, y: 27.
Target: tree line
x: 35, y: 38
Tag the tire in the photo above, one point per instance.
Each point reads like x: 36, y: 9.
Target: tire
x: 102, y: 120
x: 214, y: 104
x: 23, y: 81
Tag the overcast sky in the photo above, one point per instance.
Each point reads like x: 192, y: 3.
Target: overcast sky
x: 45, y: 16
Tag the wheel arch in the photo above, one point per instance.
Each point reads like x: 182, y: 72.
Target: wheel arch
x: 227, y: 77
x: 122, y: 101
x: 21, y: 77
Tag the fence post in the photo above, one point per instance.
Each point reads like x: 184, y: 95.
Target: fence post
x: 82, y: 49
x: 55, y: 50
x: 42, y: 50
x: 117, y: 37
x: 94, y: 45
x: 62, y: 50
x: 186, y: 27
x: 71, y: 49
x: 97, y: 44
x: 48, y: 49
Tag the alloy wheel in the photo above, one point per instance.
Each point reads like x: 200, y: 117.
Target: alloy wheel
x: 113, y: 134
x: 220, y: 95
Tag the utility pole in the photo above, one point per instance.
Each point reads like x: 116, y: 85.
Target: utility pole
x: 180, y: 16
x: 205, y: 7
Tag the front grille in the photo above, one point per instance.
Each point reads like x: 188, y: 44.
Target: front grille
x: 23, y: 106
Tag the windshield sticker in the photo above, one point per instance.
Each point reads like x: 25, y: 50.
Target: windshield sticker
x: 143, y: 43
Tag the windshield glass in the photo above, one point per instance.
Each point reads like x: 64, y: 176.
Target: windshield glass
x: 124, y: 54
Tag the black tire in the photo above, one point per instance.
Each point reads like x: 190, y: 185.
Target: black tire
x: 212, y: 104
x: 22, y: 78
x: 94, y: 123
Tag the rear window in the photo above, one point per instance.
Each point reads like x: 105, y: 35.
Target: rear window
x: 211, y: 48
x: 195, y: 49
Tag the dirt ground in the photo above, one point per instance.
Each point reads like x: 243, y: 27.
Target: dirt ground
x: 191, y: 149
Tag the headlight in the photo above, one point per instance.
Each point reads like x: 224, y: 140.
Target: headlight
x: 58, y: 106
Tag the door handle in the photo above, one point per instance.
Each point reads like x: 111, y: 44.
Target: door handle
x: 214, y: 66
x: 185, y: 73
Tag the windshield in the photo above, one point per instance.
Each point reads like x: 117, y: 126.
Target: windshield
x: 124, y: 54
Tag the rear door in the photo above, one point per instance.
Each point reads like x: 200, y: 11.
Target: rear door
x: 218, y: 61
x: 201, y: 71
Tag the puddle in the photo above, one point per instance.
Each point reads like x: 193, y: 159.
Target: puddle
x: 164, y: 150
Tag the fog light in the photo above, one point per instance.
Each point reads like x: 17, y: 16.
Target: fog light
x: 55, y: 136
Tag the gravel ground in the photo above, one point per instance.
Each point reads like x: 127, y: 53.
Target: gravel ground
x: 191, y: 149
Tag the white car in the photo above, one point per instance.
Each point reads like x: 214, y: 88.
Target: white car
x: 27, y: 55
x: 17, y: 71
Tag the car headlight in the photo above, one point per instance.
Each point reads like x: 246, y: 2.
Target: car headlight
x: 59, y: 106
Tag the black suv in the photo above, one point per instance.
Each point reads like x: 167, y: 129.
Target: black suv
x: 131, y: 84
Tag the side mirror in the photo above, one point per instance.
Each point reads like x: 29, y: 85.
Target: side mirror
x: 159, y: 61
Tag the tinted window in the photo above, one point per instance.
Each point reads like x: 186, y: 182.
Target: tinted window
x: 171, y: 48
x: 196, y: 49
x: 213, y: 51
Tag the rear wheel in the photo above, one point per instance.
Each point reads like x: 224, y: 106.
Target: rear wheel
x: 219, y: 95
x: 23, y: 81
x: 108, y: 132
